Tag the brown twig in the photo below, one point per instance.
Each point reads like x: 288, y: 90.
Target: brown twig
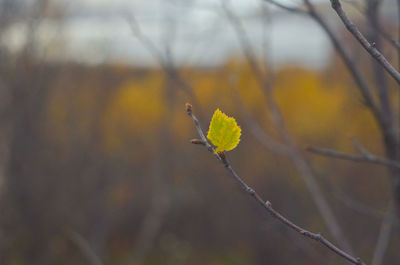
x: 370, y: 48
x: 266, y: 204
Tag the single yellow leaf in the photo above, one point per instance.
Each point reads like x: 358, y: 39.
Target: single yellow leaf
x: 224, y: 132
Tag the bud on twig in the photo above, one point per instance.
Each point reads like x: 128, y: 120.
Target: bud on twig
x: 188, y: 108
x: 223, y: 157
x: 197, y: 141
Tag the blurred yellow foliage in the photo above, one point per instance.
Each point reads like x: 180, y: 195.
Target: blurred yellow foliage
x: 314, y: 109
x: 135, y: 110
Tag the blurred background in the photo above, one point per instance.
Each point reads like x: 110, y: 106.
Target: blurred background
x: 96, y: 166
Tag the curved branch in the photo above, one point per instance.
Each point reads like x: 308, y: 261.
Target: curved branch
x: 266, y: 204
x: 370, y: 48
x: 364, y: 88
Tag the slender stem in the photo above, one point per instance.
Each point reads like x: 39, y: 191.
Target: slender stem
x: 83, y: 245
x: 384, y: 236
x: 266, y: 204
x: 370, y: 48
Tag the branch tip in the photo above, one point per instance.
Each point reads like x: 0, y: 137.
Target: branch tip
x: 188, y: 108
x: 267, y: 205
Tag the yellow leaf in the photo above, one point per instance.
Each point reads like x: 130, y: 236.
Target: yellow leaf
x: 224, y: 132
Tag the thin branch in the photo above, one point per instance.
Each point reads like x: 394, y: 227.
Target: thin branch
x: 164, y: 61
x: 84, y: 247
x: 264, y: 138
x: 364, y: 88
x: 380, y: 78
x: 356, y: 205
x: 384, y: 236
x: 361, y: 83
x: 360, y: 148
x: 299, y: 161
x: 287, y: 8
x: 392, y: 41
x: 266, y: 204
x: 258, y: 132
x: 370, y: 48
x: 370, y: 158
x: 348, y: 201
x: 398, y: 32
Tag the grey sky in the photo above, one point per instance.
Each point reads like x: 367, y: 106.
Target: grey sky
x: 197, y: 32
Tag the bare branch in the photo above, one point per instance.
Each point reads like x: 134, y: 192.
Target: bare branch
x: 369, y: 158
x: 295, y: 155
x: 384, y: 236
x: 387, y: 37
x: 348, y: 201
x: 83, y: 245
x: 398, y: 32
x: 164, y: 61
x: 364, y: 89
x: 266, y: 204
x: 357, y: 206
x: 360, y: 148
x: 370, y: 48
x: 259, y: 133
x: 287, y: 8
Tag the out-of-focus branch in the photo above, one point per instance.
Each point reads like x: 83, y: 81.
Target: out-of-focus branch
x: 368, y: 158
x: 370, y: 48
x: 287, y: 8
x: 357, y: 206
x: 364, y: 88
x: 295, y: 155
x: 259, y: 133
x: 361, y: 83
x: 266, y: 204
x: 392, y: 41
x: 381, y: 82
x: 398, y: 32
x: 384, y: 236
x: 84, y: 247
x: 164, y: 61
x: 348, y: 201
